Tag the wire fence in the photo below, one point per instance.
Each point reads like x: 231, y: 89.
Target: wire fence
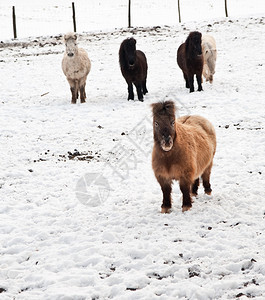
x: 92, y: 15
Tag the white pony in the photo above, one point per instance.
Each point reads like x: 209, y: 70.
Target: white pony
x: 209, y: 56
x: 76, y: 66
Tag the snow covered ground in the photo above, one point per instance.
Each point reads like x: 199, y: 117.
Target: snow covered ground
x: 80, y: 207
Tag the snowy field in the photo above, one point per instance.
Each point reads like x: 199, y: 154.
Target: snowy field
x: 80, y: 207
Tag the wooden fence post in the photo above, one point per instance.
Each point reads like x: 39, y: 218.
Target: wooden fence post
x: 73, y: 8
x: 179, y: 11
x: 14, y: 22
x: 226, y: 14
x: 129, y: 14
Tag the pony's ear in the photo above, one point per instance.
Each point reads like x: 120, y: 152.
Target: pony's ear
x: 152, y: 105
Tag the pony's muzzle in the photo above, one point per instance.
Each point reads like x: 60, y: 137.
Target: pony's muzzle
x: 167, y: 143
x: 167, y: 139
x: 131, y: 63
x: 70, y: 54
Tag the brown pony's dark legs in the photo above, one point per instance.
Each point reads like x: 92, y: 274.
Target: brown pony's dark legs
x: 130, y: 91
x: 144, y: 87
x: 166, y: 189
x: 199, y: 81
x: 187, y: 81
x: 139, y: 92
x: 206, y: 180
x: 195, y: 186
x: 185, y: 189
x: 191, y: 83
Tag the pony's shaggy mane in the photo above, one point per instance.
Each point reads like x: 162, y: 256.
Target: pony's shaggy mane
x: 191, y: 36
x: 131, y: 42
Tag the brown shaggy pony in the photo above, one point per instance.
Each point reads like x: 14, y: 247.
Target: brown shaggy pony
x: 190, y: 60
x: 183, y: 150
x: 133, y: 66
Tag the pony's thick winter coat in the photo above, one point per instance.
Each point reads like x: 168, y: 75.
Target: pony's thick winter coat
x: 183, y: 150
x: 134, y: 67
x: 190, y: 60
x: 209, y: 57
x: 76, y: 66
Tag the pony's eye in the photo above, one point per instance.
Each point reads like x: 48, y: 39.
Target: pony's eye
x: 172, y: 123
x: 156, y: 124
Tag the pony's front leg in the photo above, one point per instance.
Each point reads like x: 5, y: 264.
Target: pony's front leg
x: 139, y: 92
x: 130, y: 91
x: 82, y: 94
x: 199, y: 81
x: 191, y: 83
x: 73, y: 90
x: 74, y: 96
x: 186, y: 80
x: 185, y: 189
x: 166, y: 190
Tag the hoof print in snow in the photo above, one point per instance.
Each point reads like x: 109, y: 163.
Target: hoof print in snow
x: 132, y: 289
x: 240, y: 295
x: 156, y: 276
x: 248, y: 295
x: 194, y: 271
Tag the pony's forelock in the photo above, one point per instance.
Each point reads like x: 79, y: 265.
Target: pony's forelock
x: 164, y: 108
x: 70, y: 35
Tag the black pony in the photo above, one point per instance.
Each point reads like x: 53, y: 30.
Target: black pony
x: 190, y: 60
x: 133, y: 66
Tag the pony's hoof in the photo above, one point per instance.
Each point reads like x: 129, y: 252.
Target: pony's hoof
x: 185, y: 208
x: 142, y: 100
x: 83, y: 101
x: 165, y: 210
